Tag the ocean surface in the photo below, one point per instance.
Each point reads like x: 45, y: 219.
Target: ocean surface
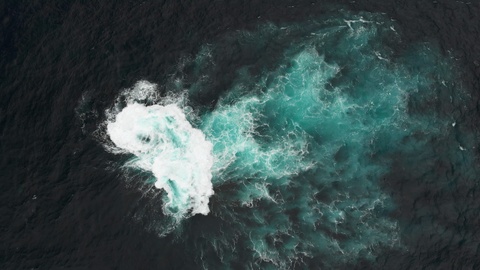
x: 239, y: 134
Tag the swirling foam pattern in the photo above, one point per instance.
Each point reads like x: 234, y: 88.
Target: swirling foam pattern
x: 308, y: 122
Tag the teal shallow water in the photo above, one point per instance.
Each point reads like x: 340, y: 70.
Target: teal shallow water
x: 289, y: 160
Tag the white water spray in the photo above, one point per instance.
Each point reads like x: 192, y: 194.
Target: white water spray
x: 167, y: 145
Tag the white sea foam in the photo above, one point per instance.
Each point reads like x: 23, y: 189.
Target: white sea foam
x: 166, y: 144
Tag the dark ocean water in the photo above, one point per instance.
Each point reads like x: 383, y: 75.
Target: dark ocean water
x: 69, y: 203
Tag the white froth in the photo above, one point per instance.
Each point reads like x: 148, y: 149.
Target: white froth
x: 166, y: 144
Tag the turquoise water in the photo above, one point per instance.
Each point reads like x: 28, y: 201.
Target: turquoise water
x: 287, y: 163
